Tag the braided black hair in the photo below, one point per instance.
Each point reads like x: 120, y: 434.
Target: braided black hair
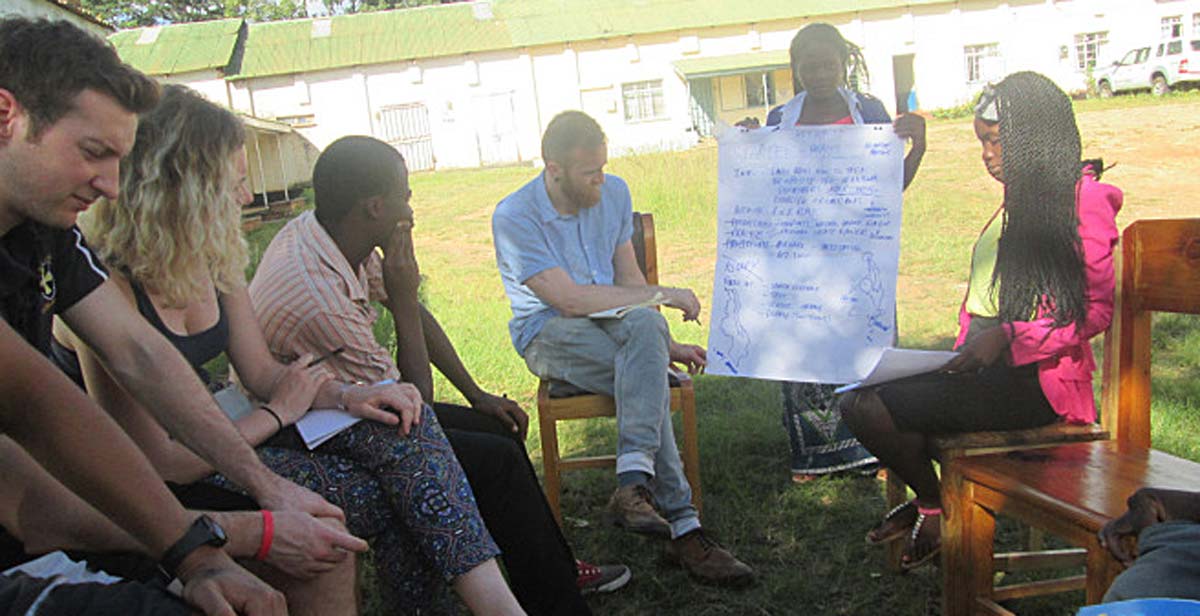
x: 820, y: 33
x: 1039, y: 263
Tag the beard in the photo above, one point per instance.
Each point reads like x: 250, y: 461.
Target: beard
x: 582, y: 195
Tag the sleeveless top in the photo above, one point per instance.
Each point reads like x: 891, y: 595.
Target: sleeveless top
x: 198, y: 349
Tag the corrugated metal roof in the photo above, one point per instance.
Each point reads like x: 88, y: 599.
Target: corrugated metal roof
x: 280, y: 48
x: 731, y: 64
x: 541, y: 22
x: 169, y: 50
x: 369, y: 38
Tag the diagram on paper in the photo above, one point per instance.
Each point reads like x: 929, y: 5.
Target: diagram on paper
x: 807, y: 252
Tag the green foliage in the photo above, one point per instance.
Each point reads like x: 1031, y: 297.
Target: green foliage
x: 125, y: 14
x: 964, y: 110
x: 344, y: 7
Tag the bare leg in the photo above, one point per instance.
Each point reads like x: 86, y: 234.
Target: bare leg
x: 907, y: 455
x: 486, y: 593
x: 903, y: 453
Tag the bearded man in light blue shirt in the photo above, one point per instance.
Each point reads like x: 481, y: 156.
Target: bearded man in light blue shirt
x: 563, y: 246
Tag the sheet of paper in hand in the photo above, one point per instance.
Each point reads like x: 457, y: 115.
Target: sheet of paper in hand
x: 901, y: 363
x: 808, y: 241
x: 620, y: 311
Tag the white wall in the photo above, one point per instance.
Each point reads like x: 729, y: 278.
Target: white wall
x: 42, y: 8
x: 492, y: 107
x: 209, y: 83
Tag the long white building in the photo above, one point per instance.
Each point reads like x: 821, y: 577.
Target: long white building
x: 474, y: 84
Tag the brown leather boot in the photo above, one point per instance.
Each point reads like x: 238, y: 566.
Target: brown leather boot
x: 632, y: 508
x: 707, y: 561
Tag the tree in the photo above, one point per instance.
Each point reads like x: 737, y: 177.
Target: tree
x: 126, y: 14
x: 346, y: 7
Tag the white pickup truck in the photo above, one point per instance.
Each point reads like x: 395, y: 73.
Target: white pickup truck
x: 1157, y: 67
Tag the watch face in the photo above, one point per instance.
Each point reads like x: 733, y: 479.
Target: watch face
x: 219, y: 538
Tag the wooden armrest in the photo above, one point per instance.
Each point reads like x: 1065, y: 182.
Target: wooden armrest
x: 1053, y: 433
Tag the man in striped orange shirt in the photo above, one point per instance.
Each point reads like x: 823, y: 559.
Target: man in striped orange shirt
x: 312, y: 294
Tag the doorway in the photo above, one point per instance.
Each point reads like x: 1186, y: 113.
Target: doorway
x: 905, y: 80
x: 406, y: 128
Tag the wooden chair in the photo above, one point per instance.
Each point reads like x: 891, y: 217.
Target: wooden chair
x: 557, y: 401
x: 949, y: 449
x: 1073, y: 490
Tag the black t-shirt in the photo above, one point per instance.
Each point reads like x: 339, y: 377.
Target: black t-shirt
x: 44, y: 271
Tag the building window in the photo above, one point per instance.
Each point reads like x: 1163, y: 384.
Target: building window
x: 1195, y: 25
x: 1087, y: 48
x: 643, y: 100
x: 982, y: 62
x: 1172, y: 27
x: 760, y: 89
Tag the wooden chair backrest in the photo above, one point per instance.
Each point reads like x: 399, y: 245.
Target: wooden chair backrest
x: 1159, y: 265
x: 644, y: 246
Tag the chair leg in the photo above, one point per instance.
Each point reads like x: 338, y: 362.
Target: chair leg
x: 956, y: 547
x: 975, y: 555
x: 1102, y: 568
x: 897, y: 493
x: 691, y: 445
x: 552, y: 482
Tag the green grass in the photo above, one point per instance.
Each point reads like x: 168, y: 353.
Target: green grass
x: 804, y: 540
x: 1092, y: 103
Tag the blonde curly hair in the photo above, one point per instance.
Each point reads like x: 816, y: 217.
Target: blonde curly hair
x: 177, y: 217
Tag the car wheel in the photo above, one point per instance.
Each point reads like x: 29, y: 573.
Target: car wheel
x: 1158, y: 85
x: 1105, y: 89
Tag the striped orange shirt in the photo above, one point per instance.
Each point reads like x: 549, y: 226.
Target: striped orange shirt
x: 309, y: 299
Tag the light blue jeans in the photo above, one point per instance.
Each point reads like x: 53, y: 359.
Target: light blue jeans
x: 627, y: 359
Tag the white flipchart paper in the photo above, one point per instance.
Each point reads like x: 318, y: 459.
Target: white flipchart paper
x: 808, y: 245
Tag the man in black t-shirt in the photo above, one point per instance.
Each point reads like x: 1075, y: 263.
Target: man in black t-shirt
x: 67, y: 115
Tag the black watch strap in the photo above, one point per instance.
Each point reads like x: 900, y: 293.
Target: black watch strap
x: 204, y: 531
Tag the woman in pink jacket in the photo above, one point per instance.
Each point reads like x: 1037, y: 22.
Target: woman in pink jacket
x: 1040, y: 287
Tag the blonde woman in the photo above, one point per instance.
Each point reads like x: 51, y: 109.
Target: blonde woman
x: 174, y: 244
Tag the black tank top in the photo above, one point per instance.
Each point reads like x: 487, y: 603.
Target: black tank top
x: 197, y: 348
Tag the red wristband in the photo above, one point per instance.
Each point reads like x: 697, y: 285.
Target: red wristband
x: 268, y: 535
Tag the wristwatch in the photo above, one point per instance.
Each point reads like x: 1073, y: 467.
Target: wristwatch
x: 204, y: 531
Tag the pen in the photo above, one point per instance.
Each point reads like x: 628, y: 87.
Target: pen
x: 325, y: 357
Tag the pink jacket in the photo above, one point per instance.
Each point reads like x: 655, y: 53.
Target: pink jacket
x: 1063, y: 354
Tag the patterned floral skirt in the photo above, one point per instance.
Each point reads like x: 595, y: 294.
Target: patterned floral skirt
x: 821, y: 442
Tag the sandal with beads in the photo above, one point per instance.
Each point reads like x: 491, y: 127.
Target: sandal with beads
x: 908, y: 560
x: 896, y: 524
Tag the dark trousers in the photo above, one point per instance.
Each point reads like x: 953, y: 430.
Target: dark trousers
x: 18, y: 593
x: 540, y: 564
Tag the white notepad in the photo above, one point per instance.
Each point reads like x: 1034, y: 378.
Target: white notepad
x: 320, y: 425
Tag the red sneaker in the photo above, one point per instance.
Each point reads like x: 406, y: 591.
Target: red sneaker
x: 600, y: 578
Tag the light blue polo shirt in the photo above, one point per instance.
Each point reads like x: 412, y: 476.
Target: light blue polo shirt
x: 532, y: 237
